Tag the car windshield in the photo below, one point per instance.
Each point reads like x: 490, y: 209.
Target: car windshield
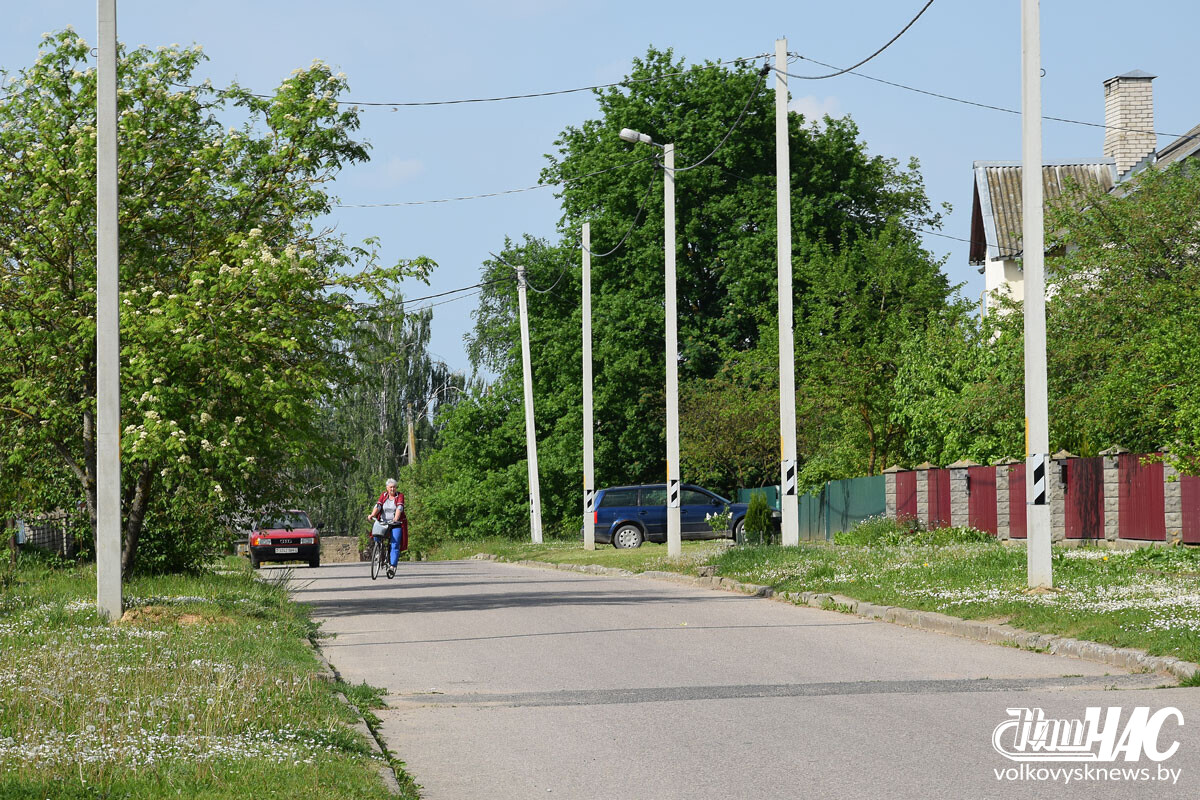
x: 286, y: 520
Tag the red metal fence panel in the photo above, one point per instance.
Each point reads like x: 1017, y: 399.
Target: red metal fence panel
x: 981, y: 498
x: 1142, y: 501
x: 1084, y: 498
x: 1016, y: 501
x: 906, y: 495
x: 1189, y: 486
x: 939, y: 498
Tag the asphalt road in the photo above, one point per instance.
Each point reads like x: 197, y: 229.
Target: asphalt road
x: 509, y: 682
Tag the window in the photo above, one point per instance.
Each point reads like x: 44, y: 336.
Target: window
x: 654, y: 496
x: 691, y: 497
x: 287, y: 521
x: 619, y: 497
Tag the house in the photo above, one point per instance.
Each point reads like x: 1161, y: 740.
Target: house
x: 1129, y: 147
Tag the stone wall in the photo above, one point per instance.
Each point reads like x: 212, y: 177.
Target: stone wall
x: 339, y: 549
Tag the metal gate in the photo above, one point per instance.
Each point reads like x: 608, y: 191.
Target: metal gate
x: 1016, y: 501
x: 1142, y: 499
x: 981, y: 498
x: 939, y: 498
x: 1085, y: 498
x: 1189, y: 488
x: 906, y: 495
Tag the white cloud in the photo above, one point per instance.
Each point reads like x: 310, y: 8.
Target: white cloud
x: 815, y: 108
x: 401, y: 170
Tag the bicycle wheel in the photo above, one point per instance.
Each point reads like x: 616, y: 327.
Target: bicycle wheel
x: 376, y: 556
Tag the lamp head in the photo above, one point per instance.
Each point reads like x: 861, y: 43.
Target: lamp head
x: 634, y: 137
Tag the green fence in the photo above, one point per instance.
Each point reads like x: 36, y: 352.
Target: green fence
x: 838, y: 507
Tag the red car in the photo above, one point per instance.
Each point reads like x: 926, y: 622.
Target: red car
x: 286, y: 536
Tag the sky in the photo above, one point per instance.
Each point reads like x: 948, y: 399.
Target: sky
x: 407, y: 51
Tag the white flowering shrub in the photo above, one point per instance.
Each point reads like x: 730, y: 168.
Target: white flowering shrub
x: 234, y: 302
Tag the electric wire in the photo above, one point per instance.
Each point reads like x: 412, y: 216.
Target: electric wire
x: 563, y: 182
x: 988, y: 106
x: 636, y: 220
x: 889, y: 43
x: 762, y: 76
x: 503, y: 98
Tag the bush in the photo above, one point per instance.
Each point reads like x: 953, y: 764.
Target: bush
x: 758, y: 517
x: 887, y: 531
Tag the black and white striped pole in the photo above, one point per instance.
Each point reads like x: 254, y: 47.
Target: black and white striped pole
x: 1037, y: 425
x: 789, y: 503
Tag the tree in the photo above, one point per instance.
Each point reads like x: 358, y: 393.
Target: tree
x: 853, y: 216
x: 233, y: 304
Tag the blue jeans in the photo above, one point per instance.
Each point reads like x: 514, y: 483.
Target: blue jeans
x: 394, y: 533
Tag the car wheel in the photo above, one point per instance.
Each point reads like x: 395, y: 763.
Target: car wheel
x: 739, y: 532
x: 316, y: 562
x: 254, y: 562
x: 627, y: 537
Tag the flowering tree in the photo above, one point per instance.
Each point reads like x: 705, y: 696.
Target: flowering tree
x: 234, y: 304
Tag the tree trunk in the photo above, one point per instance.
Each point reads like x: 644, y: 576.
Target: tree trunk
x: 135, y: 518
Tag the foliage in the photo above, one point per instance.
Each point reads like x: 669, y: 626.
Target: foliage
x: 886, y: 531
x: 233, y: 301
x: 718, y: 521
x: 758, y: 517
x: 1122, y: 351
x: 365, y: 423
x: 853, y: 220
x: 958, y: 389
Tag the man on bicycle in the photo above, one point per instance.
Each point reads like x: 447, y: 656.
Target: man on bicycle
x: 389, y: 513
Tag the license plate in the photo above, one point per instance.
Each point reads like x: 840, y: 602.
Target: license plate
x: 287, y: 549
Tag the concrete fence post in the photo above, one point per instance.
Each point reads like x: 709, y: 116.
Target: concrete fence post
x: 889, y: 491
x: 1003, y: 498
x: 1172, y: 504
x: 960, y: 491
x: 922, y: 471
x: 1056, y: 494
x: 1112, y: 492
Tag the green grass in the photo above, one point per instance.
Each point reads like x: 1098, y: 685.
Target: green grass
x: 208, y: 690
x: 1147, y: 598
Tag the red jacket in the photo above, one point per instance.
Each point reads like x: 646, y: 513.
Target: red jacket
x: 379, y: 507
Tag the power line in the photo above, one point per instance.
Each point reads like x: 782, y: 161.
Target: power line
x: 453, y: 291
x: 636, y: 219
x: 502, y: 98
x: 889, y: 43
x: 988, y: 106
x: 762, y: 76
x: 563, y: 182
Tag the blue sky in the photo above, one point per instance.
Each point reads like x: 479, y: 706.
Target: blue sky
x: 403, y: 51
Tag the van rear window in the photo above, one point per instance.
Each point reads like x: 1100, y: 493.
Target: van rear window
x: 619, y: 497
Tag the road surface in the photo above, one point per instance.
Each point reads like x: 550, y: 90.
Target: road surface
x: 507, y: 682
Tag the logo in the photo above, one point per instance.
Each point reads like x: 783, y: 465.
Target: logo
x: 1100, y: 736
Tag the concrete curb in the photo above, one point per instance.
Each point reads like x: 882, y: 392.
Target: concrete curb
x: 1127, y: 658
x: 329, y: 674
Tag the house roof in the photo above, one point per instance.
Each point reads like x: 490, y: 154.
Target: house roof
x: 996, y: 208
x: 1184, y: 147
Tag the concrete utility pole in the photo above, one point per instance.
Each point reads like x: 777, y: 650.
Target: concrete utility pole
x: 1037, y: 425
x: 589, y: 477
x: 108, y: 344
x: 535, y: 494
x: 674, y: 536
x: 412, y: 437
x: 788, y: 501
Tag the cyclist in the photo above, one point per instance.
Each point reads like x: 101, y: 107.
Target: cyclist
x: 389, y: 513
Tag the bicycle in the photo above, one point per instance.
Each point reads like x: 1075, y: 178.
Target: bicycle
x: 379, y: 556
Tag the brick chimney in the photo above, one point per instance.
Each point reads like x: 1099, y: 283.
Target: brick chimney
x: 1129, y: 117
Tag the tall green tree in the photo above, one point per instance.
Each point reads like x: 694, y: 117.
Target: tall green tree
x: 234, y: 298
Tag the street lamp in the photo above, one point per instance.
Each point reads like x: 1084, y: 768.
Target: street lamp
x: 674, y: 539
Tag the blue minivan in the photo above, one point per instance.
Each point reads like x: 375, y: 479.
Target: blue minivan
x: 626, y: 516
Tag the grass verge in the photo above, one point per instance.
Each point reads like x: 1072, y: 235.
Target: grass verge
x: 206, y: 689
x: 1147, y: 598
